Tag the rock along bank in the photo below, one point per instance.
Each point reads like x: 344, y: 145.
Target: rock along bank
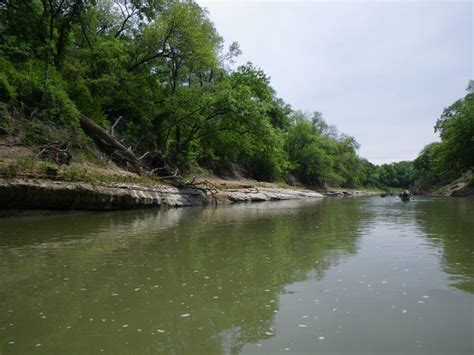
x: 60, y: 195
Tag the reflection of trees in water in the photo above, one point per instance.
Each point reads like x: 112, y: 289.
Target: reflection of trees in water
x: 244, y: 255
x: 275, y: 248
x: 449, y: 222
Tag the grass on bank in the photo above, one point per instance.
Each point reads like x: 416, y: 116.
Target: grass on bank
x: 29, y: 167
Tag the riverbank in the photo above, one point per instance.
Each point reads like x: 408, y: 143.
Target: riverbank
x: 28, y: 183
x: 24, y: 193
x: 458, y: 188
x: 61, y: 195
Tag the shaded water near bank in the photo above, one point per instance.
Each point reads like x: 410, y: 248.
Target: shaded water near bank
x: 343, y: 276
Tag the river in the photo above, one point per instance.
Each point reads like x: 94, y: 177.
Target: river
x: 332, y: 276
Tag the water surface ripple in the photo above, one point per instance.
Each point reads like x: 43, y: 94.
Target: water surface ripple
x: 337, y: 276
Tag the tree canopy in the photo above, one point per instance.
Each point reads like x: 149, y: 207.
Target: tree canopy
x: 159, y: 67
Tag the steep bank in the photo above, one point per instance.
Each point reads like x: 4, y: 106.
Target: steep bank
x: 458, y: 188
x: 27, y: 182
x: 47, y: 194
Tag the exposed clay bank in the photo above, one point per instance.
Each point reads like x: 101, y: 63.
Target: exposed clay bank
x: 47, y: 194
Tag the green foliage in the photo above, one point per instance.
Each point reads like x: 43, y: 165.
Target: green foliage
x: 7, y: 91
x: 23, y: 165
x: 25, y: 78
x: 7, y: 87
x: 320, y: 155
x: 428, y: 167
x: 6, y: 126
x: 268, y: 160
x: 397, y: 175
x: 39, y: 132
x: 26, y: 163
x: 456, y: 128
x: 79, y: 174
x: 36, y: 132
x: 440, y: 163
x: 58, y: 107
x: 369, y: 174
x: 159, y: 69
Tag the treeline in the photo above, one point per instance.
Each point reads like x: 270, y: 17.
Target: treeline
x: 160, y: 70
x: 157, y: 72
x: 441, y: 162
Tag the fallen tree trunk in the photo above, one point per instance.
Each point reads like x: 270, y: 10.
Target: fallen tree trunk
x: 106, y: 140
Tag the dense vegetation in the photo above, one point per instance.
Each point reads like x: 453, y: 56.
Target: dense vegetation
x: 158, y: 72
x: 160, y: 67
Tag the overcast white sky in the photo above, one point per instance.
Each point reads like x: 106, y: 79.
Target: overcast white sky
x: 381, y: 71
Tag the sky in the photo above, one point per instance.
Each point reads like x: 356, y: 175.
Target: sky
x: 381, y: 71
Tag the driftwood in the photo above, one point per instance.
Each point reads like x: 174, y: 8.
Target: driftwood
x: 118, y: 151
x: 144, y: 155
x: 178, y: 181
x: 159, y: 165
x: 205, y: 186
x: 154, y: 163
x: 56, y: 151
x: 174, y: 176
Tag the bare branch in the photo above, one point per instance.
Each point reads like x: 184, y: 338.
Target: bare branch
x: 115, y: 124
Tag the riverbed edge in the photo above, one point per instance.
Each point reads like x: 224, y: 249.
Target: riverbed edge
x: 22, y: 193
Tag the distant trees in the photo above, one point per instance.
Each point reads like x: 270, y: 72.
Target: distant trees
x: 441, y: 162
x: 428, y: 167
x: 319, y: 154
x: 398, y: 175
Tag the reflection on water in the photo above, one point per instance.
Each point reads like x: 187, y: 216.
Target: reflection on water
x: 449, y: 223
x: 334, y: 276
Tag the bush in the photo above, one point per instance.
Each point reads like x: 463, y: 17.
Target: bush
x: 58, y: 108
x: 25, y: 164
x: 6, y: 126
x: 36, y: 133
x: 26, y: 84
x: 7, y: 91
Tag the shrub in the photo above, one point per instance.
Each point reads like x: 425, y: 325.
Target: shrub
x: 6, y: 126
x: 59, y: 108
x: 36, y: 132
x: 7, y: 91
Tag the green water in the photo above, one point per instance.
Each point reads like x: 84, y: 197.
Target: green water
x: 342, y: 276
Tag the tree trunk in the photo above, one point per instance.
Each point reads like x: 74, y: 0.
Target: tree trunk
x: 48, y: 52
x: 103, y: 138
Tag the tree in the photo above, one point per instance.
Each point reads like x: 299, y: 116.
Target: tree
x: 427, y: 167
x: 157, y: 72
x: 456, y: 128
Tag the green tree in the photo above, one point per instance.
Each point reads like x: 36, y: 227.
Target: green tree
x: 456, y: 128
x: 428, y: 168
